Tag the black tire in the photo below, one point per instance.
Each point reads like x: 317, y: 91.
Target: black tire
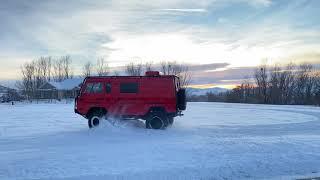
x: 156, y: 120
x: 95, y: 118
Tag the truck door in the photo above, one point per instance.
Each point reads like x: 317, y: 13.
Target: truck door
x: 129, y: 97
x: 109, y: 98
x: 93, y: 94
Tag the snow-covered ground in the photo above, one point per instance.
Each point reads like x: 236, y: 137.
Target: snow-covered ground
x: 212, y: 141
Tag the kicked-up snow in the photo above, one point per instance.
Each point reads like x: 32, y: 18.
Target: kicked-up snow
x: 211, y: 141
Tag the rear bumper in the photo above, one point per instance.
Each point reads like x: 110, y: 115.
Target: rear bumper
x: 76, y: 106
x: 175, y: 114
x: 180, y: 113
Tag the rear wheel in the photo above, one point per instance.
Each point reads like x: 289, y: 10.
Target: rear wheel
x: 95, y: 118
x: 157, y: 120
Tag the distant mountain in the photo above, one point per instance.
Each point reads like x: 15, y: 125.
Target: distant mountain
x: 198, y: 92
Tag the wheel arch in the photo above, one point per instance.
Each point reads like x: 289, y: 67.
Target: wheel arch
x: 157, y: 109
x: 153, y: 109
x: 101, y: 110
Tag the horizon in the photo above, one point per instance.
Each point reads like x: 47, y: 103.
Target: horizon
x: 221, y: 40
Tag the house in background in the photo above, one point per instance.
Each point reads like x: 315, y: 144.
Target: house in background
x: 68, y: 88
x: 9, y: 94
x: 3, y: 93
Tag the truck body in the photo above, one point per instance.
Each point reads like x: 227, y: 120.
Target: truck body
x: 138, y: 97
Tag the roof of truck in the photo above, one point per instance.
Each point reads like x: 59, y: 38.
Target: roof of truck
x: 161, y: 76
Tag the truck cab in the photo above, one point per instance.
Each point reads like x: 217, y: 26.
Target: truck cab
x: 155, y: 98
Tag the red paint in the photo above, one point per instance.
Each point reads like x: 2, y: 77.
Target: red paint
x: 153, y: 90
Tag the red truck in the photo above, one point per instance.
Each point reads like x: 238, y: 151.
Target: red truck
x: 155, y: 98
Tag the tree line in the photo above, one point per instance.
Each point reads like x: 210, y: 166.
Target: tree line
x: 101, y: 68
x: 138, y: 69
x: 45, y: 69
x: 289, y: 84
x: 36, y: 73
x: 165, y: 67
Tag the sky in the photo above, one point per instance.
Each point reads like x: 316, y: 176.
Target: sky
x: 223, y: 40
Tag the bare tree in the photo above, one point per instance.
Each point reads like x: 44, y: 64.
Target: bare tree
x: 248, y: 90
x: 282, y: 84
x: 302, y: 80
x: 275, y: 85
x: 317, y: 89
x: 261, y: 78
x: 148, y: 66
x: 39, y: 77
x: 102, y: 67
x: 116, y: 73
x: 49, y: 68
x: 286, y: 84
x: 44, y: 66
x: 306, y: 83
x: 169, y: 67
x: 133, y: 69
x: 58, y: 71
x: 27, y: 84
x: 66, y: 67
x: 184, y: 76
x: 62, y: 68
x: 87, y: 69
x: 34, y: 75
x: 180, y: 70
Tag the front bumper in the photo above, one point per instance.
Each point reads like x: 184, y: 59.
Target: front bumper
x: 76, y: 111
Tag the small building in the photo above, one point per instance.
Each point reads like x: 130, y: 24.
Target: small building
x: 68, y: 88
x: 3, y: 97
x: 8, y: 94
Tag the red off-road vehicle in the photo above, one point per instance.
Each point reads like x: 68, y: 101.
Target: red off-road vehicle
x: 155, y: 98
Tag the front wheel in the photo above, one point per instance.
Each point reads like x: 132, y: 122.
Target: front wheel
x: 95, y: 119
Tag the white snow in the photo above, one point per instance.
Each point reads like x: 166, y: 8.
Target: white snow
x: 212, y: 141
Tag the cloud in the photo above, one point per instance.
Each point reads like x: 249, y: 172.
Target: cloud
x: 237, y: 32
x: 265, y: 3
x: 185, y: 10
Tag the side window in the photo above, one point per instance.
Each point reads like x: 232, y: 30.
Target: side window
x: 94, y: 88
x: 129, y: 87
x: 89, y: 87
x: 108, y: 88
x: 97, y: 88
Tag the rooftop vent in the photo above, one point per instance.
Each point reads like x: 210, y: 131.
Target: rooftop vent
x: 152, y: 73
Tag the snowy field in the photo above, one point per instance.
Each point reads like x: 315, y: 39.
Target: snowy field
x: 212, y: 141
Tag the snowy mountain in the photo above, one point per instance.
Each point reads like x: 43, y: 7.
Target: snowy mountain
x: 199, y: 92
